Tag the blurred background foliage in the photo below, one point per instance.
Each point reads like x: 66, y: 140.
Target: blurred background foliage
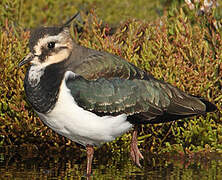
x: 175, y: 41
x: 38, y: 12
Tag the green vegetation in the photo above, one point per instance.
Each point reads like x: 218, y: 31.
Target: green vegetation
x: 180, y: 47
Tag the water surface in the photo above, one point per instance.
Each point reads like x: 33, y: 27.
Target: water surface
x: 71, y: 164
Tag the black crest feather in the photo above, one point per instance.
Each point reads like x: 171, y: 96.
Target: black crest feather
x: 68, y: 23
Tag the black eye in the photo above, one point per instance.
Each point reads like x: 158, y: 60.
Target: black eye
x: 51, y: 45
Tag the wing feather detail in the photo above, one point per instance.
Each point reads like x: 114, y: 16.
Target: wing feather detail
x: 116, y: 96
x: 96, y: 64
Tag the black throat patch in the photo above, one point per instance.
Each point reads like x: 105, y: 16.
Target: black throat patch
x: 44, y: 94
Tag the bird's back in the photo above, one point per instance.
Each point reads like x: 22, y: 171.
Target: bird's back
x: 95, y: 65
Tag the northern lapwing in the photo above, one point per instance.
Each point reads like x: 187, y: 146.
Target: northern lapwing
x: 92, y: 97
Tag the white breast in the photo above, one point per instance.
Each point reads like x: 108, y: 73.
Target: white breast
x: 81, y: 126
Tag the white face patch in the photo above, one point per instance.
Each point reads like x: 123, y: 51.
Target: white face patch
x: 56, y: 57
x: 63, y: 47
x: 44, y: 41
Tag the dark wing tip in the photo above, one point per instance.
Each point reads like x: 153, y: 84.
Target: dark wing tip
x: 210, y: 107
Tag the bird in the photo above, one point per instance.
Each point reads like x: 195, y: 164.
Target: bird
x: 92, y: 97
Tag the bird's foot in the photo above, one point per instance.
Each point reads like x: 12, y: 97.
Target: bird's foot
x: 134, y: 150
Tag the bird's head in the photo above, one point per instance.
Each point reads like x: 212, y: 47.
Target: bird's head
x: 49, y: 45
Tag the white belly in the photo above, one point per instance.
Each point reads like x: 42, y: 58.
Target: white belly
x: 81, y: 126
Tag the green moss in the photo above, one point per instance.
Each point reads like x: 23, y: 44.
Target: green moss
x: 181, y: 48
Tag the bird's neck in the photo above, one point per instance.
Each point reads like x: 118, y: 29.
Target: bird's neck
x: 42, y: 86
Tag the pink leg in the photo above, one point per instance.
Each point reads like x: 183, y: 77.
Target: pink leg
x: 89, y: 152
x: 134, y: 150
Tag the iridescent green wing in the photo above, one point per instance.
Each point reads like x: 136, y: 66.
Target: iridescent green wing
x: 116, y: 96
x: 148, y: 100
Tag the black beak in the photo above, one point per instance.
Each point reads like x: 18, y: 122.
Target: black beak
x: 26, y: 60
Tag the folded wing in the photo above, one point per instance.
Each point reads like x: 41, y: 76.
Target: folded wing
x: 147, y: 100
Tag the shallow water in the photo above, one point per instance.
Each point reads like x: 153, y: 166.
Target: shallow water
x: 20, y: 164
